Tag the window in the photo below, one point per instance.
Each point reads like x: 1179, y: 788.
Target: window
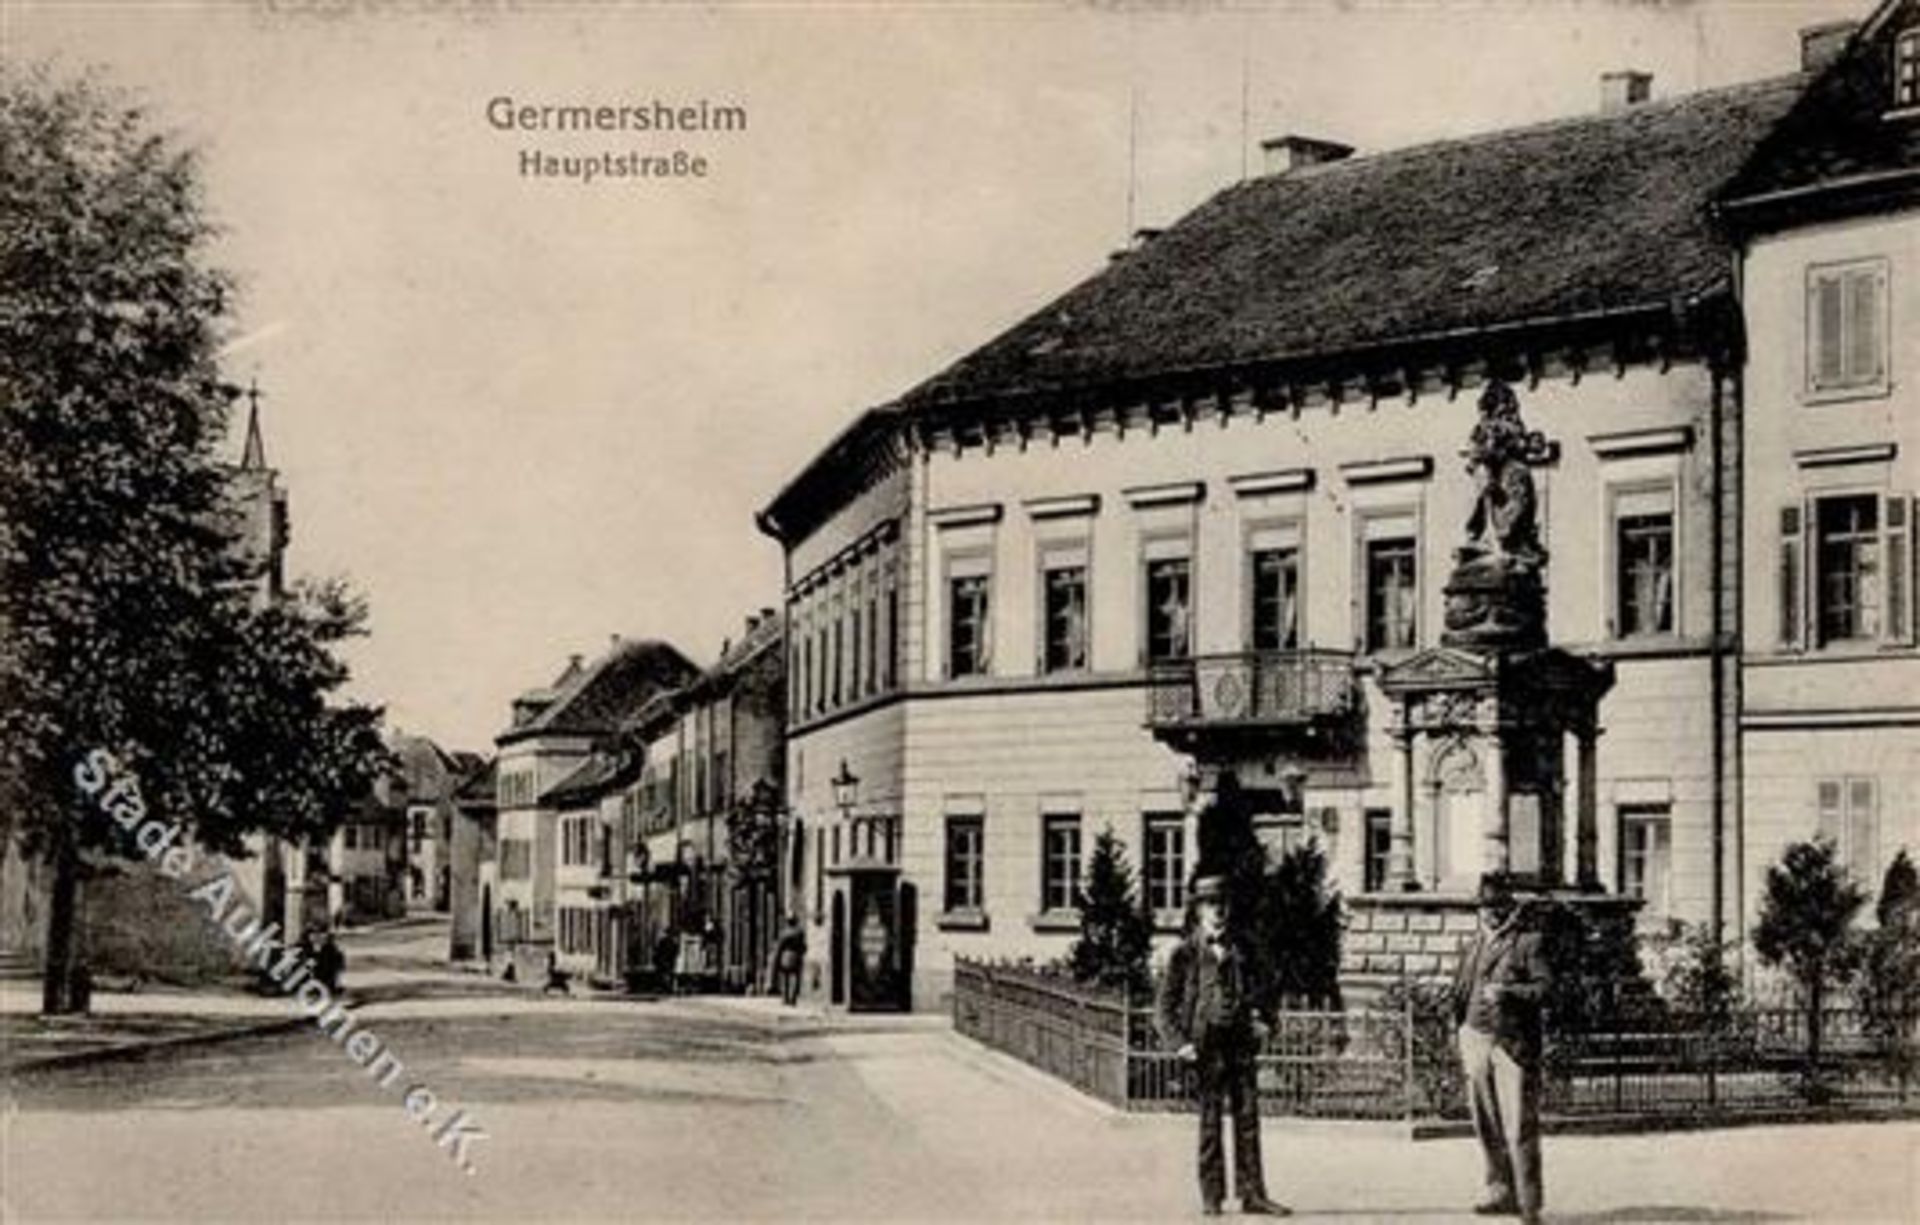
x: 350, y: 837
x: 1169, y: 608
x: 839, y: 662
x: 576, y: 841
x: 516, y: 859
x: 1846, y: 327
x: 1646, y: 857
x: 1276, y: 599
x: 893, y: 636
x: 1066, y: 618
x: 1847, y: 562
x: 1379, y: 851
x: 1643, y: 563
x: 966, y: 842
x: 1166, y: 861
x: 1060, y: 863
x: 1392, y: 593
x: 1850, y: 819
x: 873, y: 643
x: 967, y: 625
x: 857, y: 657
x: 1906, y: 69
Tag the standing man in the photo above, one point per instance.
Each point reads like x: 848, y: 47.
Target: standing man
x: 788, y: 956
x: 1498, y: 994
x: 1205, y: 1014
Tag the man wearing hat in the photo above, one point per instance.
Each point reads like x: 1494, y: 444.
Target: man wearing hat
x: 1205, y: 1013
x: 1498, y: 994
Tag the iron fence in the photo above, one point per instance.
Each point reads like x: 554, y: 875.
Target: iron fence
x: 1399, y: 1062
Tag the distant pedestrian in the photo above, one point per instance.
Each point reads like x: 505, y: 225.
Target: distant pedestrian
x: 788, y: 957
x: 1206, y: 1014
x: 665, y: 951
x: 1498, y: 996
x: 329, y: 962
x: 557, y: 978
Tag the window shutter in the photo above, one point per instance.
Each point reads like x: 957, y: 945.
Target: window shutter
x: 1825, y: 308
x: 1863, y: 326
x: 1897, y: 545
x: 1792, y: 551
x: 1831, y: 811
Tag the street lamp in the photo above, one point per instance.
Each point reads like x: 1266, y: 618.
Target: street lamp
x: 846, y: 789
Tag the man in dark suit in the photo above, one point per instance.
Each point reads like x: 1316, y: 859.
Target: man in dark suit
x: 1205, y: 1013
x: 1498, y: 994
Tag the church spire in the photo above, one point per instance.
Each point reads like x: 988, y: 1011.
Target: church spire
x: 254, y: 457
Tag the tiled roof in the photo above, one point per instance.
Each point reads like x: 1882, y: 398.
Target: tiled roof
x: 1838, y: 132
x: 596, y: 699
x: 1576, y: 217
x: 601, y: 772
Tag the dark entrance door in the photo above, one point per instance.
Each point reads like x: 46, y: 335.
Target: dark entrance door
x: 876, y: 962
x: 486, y: 923
x: 837, y: 942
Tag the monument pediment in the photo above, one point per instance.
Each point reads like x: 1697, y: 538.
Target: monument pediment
x: 1439, y: 667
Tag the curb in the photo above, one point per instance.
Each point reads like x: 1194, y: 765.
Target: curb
x: 140, y: 1050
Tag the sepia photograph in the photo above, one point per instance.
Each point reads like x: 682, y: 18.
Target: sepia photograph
x: 1028, y: 611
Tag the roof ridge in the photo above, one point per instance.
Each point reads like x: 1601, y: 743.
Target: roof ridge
x: 1559, y: 123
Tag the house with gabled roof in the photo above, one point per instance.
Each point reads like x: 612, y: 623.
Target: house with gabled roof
x: 1826, y: 218
x: 554, y: 731
x: 1178, y: 521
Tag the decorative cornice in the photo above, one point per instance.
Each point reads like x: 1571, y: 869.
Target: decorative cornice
x: 1176, y: 493
x: 1063, y: 506
x: 1658, y: 440
x: 965, y: 516
x: 1378, y: 471
x: 1830, y: 457
x: 1284, y: 480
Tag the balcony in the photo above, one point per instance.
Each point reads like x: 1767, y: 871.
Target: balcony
x: 872, y: 844
x: 1253, y: 690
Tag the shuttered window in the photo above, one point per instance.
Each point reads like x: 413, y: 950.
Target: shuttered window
x: 1850, y: 819
x: 1846, y: 571
x: 1846, y: 326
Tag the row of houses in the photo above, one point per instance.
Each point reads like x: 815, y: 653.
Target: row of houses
x: 1189, y: 515
x: 614, y: 834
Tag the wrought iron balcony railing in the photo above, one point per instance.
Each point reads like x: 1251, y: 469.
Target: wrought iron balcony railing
x: 1253, y: 688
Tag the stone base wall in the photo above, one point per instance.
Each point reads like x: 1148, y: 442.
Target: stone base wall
x: 1414, y: 935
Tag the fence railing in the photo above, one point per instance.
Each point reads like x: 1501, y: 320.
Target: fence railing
x: 1399, y: 1062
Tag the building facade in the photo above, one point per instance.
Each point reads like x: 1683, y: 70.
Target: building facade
x: 1828, y: 221
x: 554, y: 731
x: 1211, y: 495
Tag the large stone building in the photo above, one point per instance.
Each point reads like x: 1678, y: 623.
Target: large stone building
x: 1210, y: 496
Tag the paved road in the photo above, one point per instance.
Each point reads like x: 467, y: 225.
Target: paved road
x: 697, y: 1110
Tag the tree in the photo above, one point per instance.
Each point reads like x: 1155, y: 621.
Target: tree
x: 1805, y: 927
x: 130, y: 623
x: 1701, y: 981
x: 1890, y: 965
x: 1299, y: 926
x: 1115, y: 937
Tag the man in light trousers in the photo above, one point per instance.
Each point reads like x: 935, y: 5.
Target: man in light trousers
x: 1498, y: 995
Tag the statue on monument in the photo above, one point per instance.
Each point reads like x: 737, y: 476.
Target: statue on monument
x: 1497, y: 594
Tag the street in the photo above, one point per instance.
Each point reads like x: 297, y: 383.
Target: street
x: 736, y: 1109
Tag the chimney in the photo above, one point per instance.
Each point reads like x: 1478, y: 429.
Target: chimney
x: 1822, y: 44
x: 1290, y: 152
x: 613, y: 642
x: 1623, y: 90
x: 574, y: 661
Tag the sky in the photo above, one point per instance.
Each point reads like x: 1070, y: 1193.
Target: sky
x: 523, y: 414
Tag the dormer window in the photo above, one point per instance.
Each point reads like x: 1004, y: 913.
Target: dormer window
x: 1906, y: 69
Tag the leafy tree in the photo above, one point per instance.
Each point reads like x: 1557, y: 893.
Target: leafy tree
x: 1115, y: 937
x: 1890, y: 967
x: 129, y: 621
x: 1701, y: 980
x: 1299, y: 926
x: 1805, y: 927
